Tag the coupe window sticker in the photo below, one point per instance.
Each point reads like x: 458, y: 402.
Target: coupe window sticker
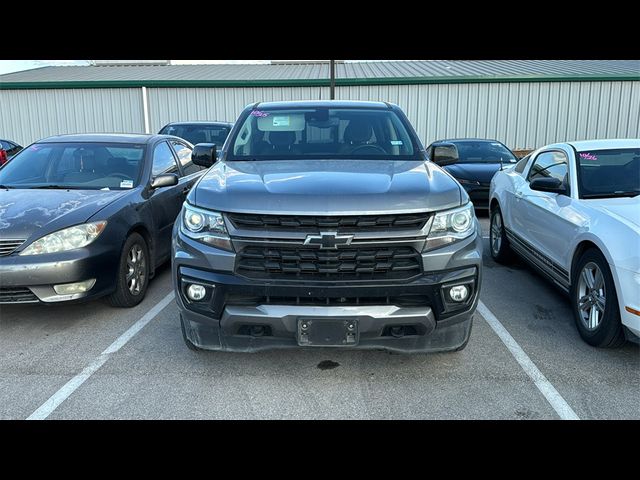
x: 588, y: 156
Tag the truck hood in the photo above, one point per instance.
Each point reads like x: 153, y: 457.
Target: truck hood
x: 326, y: 187
x: 24, y: 212
x: 623, y: 209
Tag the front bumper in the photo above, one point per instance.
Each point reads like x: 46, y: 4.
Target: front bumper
x: 478, y: 194
x: 628, y: 289
x: 30, y: 278
x: 223, y: 320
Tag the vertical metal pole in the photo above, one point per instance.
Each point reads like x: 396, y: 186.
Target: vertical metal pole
x: 145, y: 110
x: 332, y: 68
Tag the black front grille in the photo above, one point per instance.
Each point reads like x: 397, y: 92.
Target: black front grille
x: 17, y: 295
x: 8, y: 246
x: 371, y: 263
x: 351, y: 223
x: 409, y: 300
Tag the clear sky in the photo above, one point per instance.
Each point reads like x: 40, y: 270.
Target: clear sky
x: 8, y: 66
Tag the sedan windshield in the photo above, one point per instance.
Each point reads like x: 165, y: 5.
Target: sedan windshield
x: 484, y: 152
x: 609, y: 173
x: 87, y: 166
x: 322, y: 133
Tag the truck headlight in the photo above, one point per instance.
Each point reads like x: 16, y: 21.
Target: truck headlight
x: 205, y: 226
x: 67, y: 239
x: 451, y: 226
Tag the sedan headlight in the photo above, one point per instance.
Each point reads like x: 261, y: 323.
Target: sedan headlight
x: 68, y: 239
x: 451, y: 226
x: 205, y: 226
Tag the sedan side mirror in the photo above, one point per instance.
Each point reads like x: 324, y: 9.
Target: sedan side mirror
x: 548, y: 184
x: 204, y: 154
x: 445, y: 155
x: 166, y: 180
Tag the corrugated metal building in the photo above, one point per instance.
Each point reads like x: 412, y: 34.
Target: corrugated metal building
x: 523, y: 103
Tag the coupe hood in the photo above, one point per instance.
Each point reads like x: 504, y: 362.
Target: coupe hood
x: 23, y: 212
x: 326, y: 187
x: 481, y: 172
x: 624, y: 209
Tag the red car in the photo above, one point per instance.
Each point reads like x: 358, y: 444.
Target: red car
x: 7, y: 150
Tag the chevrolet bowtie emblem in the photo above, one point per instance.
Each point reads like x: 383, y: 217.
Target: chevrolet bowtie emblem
x: 328, y: 240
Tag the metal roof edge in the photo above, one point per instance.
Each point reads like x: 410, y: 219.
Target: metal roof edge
x: 319, y: 82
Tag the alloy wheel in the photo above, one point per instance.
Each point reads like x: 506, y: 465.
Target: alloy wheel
x: 591, y: 296
x: 136, y: 274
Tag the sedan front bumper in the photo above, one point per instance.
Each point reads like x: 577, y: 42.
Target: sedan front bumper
x: 30, y: 278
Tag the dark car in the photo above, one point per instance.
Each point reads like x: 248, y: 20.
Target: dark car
x: 473, y: 162
x: 82, y: 216
x: 199, y: 132
x: 7, y: 150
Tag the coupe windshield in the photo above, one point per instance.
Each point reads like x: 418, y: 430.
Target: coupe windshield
x: 484, y: 152
x: 90, y: 166
x: 198, y: 133
x: 322, y: 133
x: 609, y: 173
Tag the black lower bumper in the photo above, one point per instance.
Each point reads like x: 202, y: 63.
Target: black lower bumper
x: 242, y: 315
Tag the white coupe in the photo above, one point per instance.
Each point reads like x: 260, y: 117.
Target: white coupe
x: 572, y: 210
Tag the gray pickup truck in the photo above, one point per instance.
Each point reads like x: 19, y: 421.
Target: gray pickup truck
x: 323, y: 223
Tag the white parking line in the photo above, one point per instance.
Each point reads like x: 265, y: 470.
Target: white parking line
x: 72, y: 385
x: 558, y: 403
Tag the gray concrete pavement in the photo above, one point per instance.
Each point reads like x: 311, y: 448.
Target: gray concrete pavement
x: 156, y: 376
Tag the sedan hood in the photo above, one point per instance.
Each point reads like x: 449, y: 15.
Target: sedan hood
x: 481, y: 172
x: 624, y: 209
x: 326, y: 187
x: 24, y: 212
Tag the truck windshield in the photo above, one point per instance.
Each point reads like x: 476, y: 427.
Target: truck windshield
x: 322, y: 133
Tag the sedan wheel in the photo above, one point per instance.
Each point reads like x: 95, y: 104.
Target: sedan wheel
x: 133, y: 273
x: 136, y: 275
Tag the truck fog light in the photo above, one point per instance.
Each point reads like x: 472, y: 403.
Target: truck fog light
x: 196, y: 292
x: 78, y: 287
x: 459, y: 293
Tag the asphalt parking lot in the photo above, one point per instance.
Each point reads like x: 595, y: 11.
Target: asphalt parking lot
x: 61, y: 362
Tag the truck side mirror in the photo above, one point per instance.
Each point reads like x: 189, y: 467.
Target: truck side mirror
x: 204, y: 154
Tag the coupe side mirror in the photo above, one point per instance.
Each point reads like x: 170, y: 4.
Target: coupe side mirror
x: 548, y: 184
x: 445, y: 155
x: 166, y: 180
x: 204, y: 154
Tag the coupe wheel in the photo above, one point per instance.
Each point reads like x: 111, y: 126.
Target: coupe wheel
x: 595, y: 303
x: 500, y: 249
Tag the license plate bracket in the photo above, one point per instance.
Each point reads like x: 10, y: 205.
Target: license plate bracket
x: 323, y: 332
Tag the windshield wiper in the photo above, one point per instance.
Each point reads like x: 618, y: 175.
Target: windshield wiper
x: 54, y: 187
x: 629, y: 193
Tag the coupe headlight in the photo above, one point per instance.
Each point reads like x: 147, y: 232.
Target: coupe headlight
x: 67, y: 239
x: 464, y: 181
x: 450, y: 226
x: 205, y: 226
